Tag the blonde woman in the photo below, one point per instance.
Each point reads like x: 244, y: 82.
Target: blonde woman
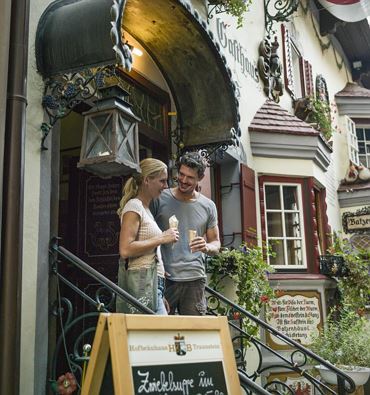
x: 141, y: 271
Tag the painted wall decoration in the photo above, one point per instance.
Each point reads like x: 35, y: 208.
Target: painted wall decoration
x: 248, y: 67
x: 294, y: 381
x: 297, y: 314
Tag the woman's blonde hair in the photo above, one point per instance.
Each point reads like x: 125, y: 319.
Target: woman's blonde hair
x: 151, y: 168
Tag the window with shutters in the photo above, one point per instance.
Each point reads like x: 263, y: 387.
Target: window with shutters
x: 284, y: 224
x: 297, y: 71
x: 294, y: 222
x: 363, y: 139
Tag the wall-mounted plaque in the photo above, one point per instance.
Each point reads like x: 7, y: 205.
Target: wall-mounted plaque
x: 297, y: 314
x: 297, y: 384
x: 357, y: 222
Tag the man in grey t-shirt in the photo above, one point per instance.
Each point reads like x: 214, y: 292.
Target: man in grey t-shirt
x: 184, y: 260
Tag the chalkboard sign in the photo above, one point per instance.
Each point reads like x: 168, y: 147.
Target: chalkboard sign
x: 161, y: 355
x: 197, y: 378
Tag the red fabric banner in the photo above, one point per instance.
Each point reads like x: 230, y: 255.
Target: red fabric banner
x: 348, y: 10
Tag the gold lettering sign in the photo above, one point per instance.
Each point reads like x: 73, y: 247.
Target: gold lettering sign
x: 358, y: 222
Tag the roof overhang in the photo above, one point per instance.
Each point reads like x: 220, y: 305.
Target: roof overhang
x: 79, y: 34
x: 353, y: 39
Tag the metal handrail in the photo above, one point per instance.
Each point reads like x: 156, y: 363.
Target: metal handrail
x: 342, y: 377
x: 99, y: 277
x: 249, y: 385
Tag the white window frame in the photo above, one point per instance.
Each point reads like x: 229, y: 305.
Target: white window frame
x: 367, y: 155
x: 283, y: 211
x: 352, y: 141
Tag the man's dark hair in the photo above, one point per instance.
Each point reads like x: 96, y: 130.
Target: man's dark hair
x: 193, y: 160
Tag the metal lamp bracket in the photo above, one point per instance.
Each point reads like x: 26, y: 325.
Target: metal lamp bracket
x: 63, y: 93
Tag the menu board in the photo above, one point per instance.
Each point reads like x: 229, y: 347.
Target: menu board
x: 169, y: 355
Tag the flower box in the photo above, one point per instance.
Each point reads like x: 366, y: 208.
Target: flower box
x: 333, y: 266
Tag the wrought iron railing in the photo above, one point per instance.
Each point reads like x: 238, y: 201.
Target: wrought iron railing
x: 77, y: 328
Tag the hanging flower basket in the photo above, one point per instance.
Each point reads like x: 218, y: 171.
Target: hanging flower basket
x: 333, y: 266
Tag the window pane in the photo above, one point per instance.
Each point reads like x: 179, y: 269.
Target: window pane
x: 368, y: 148
x: 290, y: 198
x: 367, y: 134
x: 274, y: 225
x: 277, y: 247
x: 360, y: 134
x: 272, y: 197
x: 361, y: 148
x: 294, y: 252
x: 362, y: 159
x: 292, y: 225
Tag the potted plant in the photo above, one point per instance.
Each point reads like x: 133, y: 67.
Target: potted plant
x: 247, y: 269
x: 345, y: 342
x: 316, y: 112
x: 235, y: 8
x: 345, y: 339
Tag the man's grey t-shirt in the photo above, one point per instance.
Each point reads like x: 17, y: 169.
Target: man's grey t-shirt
x: 199, y: 215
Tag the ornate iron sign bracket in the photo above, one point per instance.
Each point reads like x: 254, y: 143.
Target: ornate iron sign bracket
x: 278, y: 11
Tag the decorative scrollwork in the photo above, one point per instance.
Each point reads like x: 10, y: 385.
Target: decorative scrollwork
x: 211, y: 152
x: 63, y: 93
x: 270, y: 69
x: 278, y: 11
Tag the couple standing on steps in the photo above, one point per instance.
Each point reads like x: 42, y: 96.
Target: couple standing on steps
x: 159, y: 265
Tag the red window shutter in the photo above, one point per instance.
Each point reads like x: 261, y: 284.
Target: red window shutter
x: 248, y: 205
x: 308, y: 79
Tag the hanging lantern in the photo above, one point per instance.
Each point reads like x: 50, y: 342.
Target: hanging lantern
x: 110, y: 142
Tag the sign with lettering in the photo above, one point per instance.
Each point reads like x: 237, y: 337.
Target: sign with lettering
x: 162, y: 355
x: 296, y: 314
x: 237, y: 51
x: 357, y: 222
x: 101, y: 219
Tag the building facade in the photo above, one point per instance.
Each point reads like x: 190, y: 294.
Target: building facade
x: 279, y: 106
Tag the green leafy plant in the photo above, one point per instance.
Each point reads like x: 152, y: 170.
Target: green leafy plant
x: 354, y: 288
x: 246, y: 266
x: 235, y: 8
x: 345, y: 340
x: 321, y: 116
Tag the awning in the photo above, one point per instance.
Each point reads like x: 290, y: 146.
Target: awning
x: 73, y: 35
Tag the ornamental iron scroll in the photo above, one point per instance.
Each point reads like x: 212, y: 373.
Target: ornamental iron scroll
x: 64, y: 93
x: 270, y: 69
x: 278, y: 11
x: 210, y: 152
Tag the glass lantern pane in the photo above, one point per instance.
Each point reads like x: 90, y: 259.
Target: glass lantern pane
x: 99, y: 135
x: 272, y: 197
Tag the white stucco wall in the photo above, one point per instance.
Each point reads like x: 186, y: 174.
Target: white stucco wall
x: 252, y: 96
x: 33, y: 364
